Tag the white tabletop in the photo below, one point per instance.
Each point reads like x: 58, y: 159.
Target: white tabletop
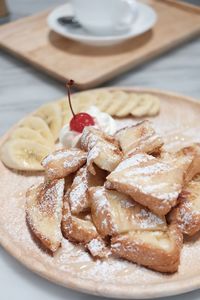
x: 22, y: 89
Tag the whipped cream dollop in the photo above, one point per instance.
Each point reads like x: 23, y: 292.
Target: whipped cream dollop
x: 69, y: 138
x: 102, y: 120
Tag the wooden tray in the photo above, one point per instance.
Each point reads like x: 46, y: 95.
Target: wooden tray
x: 31, y: 40
x: 71, y: 266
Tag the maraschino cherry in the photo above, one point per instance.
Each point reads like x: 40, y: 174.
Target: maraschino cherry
x: 80, y: 120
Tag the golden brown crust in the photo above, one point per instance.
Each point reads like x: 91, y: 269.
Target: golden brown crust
x: 76, y: 229
x: 115, y: 213
x: 139, y: 138
x: 63, y: 162
x: 137, y: 248
x: 104, y: 155
x: 92, y: 214
x: 91, y: 135
x: 68, y: 182
x: 194, y: 168
x: 101, y: 212
x: 152, y: 182
x: 103, y: 150
x: 155, y: 205
x: 44, y: 213
x: 187, y: 213
x: 98, y: 248
x: 78, y: 196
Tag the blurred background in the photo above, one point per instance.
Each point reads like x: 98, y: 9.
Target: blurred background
x: 26, y: 88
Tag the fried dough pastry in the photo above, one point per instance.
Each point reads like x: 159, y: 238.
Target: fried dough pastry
x: 78, y: 195
x: 74, y: 228
x: 115, y: 213
x: 63, y: 162
x: 157, y: 250
x: 91, y: 135
x: 187, y: 213
x: 139, y: 138
x: 44, y: 212
x: 103, y: 150
x: 153, y: 182
x: 68, y: 182
x: 98, y: 248
x: 194, y: 168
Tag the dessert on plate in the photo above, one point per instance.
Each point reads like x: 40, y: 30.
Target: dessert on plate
x: 117, y: 192
x: 37, y: 135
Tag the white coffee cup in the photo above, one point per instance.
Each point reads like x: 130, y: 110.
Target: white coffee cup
x: 104, y: 17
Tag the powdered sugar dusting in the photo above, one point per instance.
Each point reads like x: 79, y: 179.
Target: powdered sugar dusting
x: 100, y: 199
x: 69, y: 158
x: 89, y: 137
x: 98, y: 248
x: 148, y: 219
x: 102, y: 208
x: 44, y: 212
x: 60, y: 154
x: 133, y: 161
x: 187, y: 217
x: 161, y: 178
x: 71, y: 261
x: 144, y: 138
x: 50, y: 202
x: 92, y: 155
x: 78, y: 194
x: 96, y: 245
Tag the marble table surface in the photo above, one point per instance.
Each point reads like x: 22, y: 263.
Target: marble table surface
x: 23, y: 88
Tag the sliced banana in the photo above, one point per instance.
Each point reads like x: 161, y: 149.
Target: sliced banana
x: 23, y: 154
x: 131, y: 103
x: 154, y: 110
x: 144, y: 105
x: 82, y: 101
x: 119, y: 99
x: 51, y: 114
x: 115, y: 103
x: 37, y: 124
x: 65, y: 111
x: 26, y: 133
x: 103, y: 100
x: 63, y: 104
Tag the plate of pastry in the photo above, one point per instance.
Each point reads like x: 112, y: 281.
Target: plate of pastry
x: 100, y: 192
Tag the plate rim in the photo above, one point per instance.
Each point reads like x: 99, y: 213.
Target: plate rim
x: 93, y: 287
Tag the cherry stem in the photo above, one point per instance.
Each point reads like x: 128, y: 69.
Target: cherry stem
x: 68, y: 86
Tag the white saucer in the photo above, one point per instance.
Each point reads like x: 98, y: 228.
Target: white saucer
x: 145, y: 21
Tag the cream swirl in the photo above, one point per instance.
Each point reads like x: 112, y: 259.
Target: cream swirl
x: 69, y: 138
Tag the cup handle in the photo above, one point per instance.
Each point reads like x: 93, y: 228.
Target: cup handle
x: 128, y: 15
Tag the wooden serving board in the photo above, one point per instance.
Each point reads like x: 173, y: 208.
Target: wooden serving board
x: 179, y: 123
x: 31, y: 39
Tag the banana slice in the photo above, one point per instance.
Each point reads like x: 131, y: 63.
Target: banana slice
x: 131, y: 103
x: 37, y: 124
x: 82, y: 101
x: 63, y: 104
x: 65, y: 111
x: 51, y: 114
x: 144, y: 105
x: 23, y: 154
x: 26, y: 133
x: 154, y: 110
x: 103, y: 100
x: 118, y: 100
